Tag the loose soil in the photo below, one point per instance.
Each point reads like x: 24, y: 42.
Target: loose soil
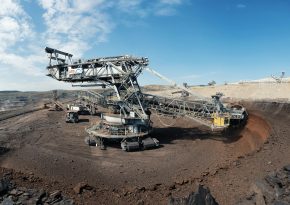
x: 42, y: 144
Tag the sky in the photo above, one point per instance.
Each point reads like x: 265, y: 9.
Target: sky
x: 193, y: 41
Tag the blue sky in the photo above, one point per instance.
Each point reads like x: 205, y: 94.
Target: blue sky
x: 192, y: 41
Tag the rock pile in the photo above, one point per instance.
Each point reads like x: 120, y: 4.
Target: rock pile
x: 273, y: 189
x: 201, y: 197
x: 10, y: 195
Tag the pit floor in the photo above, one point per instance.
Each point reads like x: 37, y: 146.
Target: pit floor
x: 228, y: 163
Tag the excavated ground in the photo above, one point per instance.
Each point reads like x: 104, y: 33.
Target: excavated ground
x: 42, y: 144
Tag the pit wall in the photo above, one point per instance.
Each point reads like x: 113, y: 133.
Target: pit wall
x: 262, y: 115
x: 249, y: 91
x: 254, y: 134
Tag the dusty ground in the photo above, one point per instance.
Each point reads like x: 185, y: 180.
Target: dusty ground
x: 42, y: 144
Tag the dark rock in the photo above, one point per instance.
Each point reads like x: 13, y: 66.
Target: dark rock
x: 287, y: 168
x: 168, y: 194
x: 66, y: 202
x: 24, y: 178
x: 14, y: 198
x: 205, y: 173
x: 283, y: 177
x: 7, y: 201
x: 55, y: 200
x: 201, y: 197
x: 273, y: 189
x: 280, y: 203
x: 27, y: 194
x: 8, y: 173
x: 4, y: 185
x: 278, y: 191
x: 10, y: 194
x: 261, y: 189
x: 273, y: 180
x: 171, y: 187
x: 55, y: 194
x: 125, y: 193
x: 42, y: 194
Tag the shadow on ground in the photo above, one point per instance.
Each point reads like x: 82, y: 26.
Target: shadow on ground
x: 169, y: 134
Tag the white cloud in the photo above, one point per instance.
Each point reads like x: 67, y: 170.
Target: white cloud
x: 75, y: 26
x: 167, y: 7
x: 16, y: 28
x: 166, y: 11
x: 15, y: 24
x: 172, y: 2
x: 144, y: 8
x: 84, y: 6
x: 135, y: 8
x: 34, y: 83
x: 241, y: 6
x: 11, y: 8
x: 129, y: 5
x: 28, y: 65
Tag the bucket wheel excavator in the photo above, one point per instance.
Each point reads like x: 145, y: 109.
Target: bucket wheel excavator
x: 129, y: 120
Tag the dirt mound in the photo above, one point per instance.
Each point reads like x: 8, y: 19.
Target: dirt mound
x: 253, y: 135
x: 240, y: 140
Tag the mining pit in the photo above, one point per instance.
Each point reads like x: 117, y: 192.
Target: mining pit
x: 42, y: 145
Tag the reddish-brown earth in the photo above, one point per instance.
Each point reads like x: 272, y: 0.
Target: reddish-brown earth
x: 54, y: 152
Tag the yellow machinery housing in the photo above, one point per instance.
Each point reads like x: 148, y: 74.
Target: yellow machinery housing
x: 221, y: 120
